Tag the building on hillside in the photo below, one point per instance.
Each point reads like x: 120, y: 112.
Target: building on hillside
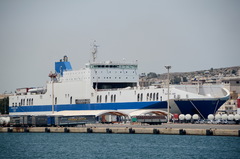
x: 233, y: 85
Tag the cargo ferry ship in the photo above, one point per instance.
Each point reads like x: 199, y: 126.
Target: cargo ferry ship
x: 112, y: 87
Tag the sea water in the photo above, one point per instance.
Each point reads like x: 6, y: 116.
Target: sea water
x: 119, y: 146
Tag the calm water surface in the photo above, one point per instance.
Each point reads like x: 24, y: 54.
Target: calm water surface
x: 119, y: 146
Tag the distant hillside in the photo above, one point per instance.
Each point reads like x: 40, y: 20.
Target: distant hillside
x: 226, y: 71
x: 177, y: 77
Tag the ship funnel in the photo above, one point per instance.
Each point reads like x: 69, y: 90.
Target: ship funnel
x: 63, y: 65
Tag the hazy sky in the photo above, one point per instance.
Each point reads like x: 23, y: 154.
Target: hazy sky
x: 187, y: 34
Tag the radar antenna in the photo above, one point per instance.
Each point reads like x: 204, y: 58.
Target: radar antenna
x: 94, y: 50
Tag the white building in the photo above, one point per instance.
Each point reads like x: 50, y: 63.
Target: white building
x: 233, y: 85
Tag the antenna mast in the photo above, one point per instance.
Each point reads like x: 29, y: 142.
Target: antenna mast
x: 94, y: 50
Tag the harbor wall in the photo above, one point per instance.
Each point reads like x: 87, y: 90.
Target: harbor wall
x: 122, y: 130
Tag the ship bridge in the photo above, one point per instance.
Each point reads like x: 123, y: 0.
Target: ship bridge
x: 111, y: 75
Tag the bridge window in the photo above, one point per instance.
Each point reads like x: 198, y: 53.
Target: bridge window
x: 153, y: 96
x: 157, y: 96
x: 55, y: 100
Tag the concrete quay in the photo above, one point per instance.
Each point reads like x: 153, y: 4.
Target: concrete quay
x: 172, y: 129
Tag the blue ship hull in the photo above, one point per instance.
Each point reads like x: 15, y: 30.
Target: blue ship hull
x: 201, y: 107
x: 93, y: 106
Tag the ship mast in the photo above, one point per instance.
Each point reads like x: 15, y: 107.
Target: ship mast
x: 94, y: 50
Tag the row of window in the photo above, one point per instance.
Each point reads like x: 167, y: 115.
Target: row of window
x: 112, y: 98
x: 149, y: 97
x: 111, y: 77
x: 70, y: 79
x: 155, y: 97
x: 75, y: 73
x: 115, y: 72
x: 24, y: 102
x: 115, y: 66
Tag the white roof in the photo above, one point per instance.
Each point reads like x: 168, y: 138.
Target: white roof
x: 144, y: 111
x: 88, y: 112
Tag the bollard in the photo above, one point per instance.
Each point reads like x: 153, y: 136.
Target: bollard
x: 156, y: 131
x: 209, y: 132
x: 26, y: 130
x: 182, y: 132
x: 47, y: 130
x: 108, y: 130
x: 9, y: 130
x: 131, y: 131
x: 66, y: 130
x: 89, y: 130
